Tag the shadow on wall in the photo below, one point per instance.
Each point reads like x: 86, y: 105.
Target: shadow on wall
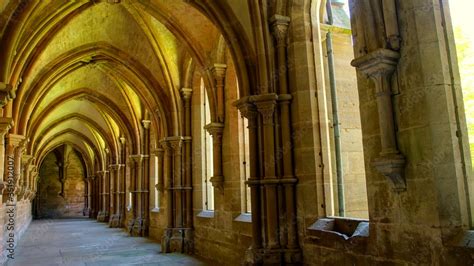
x: 61, y: 185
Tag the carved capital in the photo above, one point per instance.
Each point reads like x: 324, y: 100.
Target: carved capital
x: 5, y: 124
x: 137, y: 158
x: 215, y: 129
x: 218, y: 182
x: 146, y: 124
x: 15, y: 140
x: 393, y: 167
x: 280, y: 26
x: 377, y: 64
x: 176, y: 143
x: 159, y: 152
x: 218, y: 71
x: 186, y: 93
x: 6, y: 94
x: 266, y: 104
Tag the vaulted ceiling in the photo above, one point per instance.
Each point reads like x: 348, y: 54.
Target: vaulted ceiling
x: 86, y: 73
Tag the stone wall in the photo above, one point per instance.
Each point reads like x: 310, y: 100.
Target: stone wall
x: 51, y: 204
x: 219, y: 234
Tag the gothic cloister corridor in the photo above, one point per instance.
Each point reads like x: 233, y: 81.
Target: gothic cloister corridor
x: 240, y: 132
x: 81, y: 242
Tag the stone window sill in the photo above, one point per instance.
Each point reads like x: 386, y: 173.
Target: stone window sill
x: 155, y: 210
x: 464, y: 240
x: 244, y: 218
x: 349, y: 232
x: 206, y: 214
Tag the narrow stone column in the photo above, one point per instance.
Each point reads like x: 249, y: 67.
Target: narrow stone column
x: 249, y: 111
x: 379, y: 66
x: 92, y: 196
x: 14, y: 149
x: 187, y: 93
x: 114, y: 175
x: 137, y: 207
x: 101, y: 191
x: 85, y: 210
x: 176, y: 144
x: 280, y: 26
x: 25, y: 178
x: 145, y: 182
x: 266, y: 104
x: 107, y: 196
x: 121, y: 205
x: 168, y: 171
x: 216, y: 130
x: 218, y: 71
x: 5, y: 125
x: 160, y: 152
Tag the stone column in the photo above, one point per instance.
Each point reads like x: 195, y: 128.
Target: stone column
x: 137, y: 196
x: 14, y: 149
x: 121, y: 205
x: 187, y: 93
x: 280, y: 26
x: 145, y: 187
x: 176, y: 144
x: 266, y: 104
x: 168, y: 171
x: 218, y: 71
x: 160, y: 155
x: 249, y: 111
x: 101, y: 192
x: 91, y: 196
x: 85, y: 211
x: 114, y: 174
x: 379, y: 66
x: 25, y: 179
x: 216, y: 130
x: 5, y: 125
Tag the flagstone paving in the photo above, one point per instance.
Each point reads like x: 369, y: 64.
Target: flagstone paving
x: 87, y: 242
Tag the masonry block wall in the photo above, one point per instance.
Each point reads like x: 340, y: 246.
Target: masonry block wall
x: 51, y: 204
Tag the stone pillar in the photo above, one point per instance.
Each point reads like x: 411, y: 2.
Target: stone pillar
x: 101, y: 195
x: 188, y: 222
x: 160, y: 155
x: 25, y: 179
x: 136, y: 226
x: 121, y: 205
x: 280, y: 26
x: 14, y: 149
x: 218, y: 71
x: 249, y: 111
x: 266, y: 104
x: 168, y: 171
x: 216, y: 130
x: 379, y: 66
x: 176, y: 145
x: 145, y: 182
x: 114, y: 175
x: 177, y: 237
x: 85, y: 211
x: 91, y: 196
x: 5, y: 125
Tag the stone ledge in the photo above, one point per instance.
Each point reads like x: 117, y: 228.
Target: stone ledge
x: 244, y: 218
x: 340, y: 233
x: 205, y: 214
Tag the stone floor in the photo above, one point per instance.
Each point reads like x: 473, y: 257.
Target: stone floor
x: 87, y: 242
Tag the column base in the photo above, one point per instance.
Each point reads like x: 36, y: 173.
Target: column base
x: 86, y: 212
x: 273, y: 256
x: 137, y: 227
x: 114, y: 221
x: 178, y: 240
x: 102, y: 217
